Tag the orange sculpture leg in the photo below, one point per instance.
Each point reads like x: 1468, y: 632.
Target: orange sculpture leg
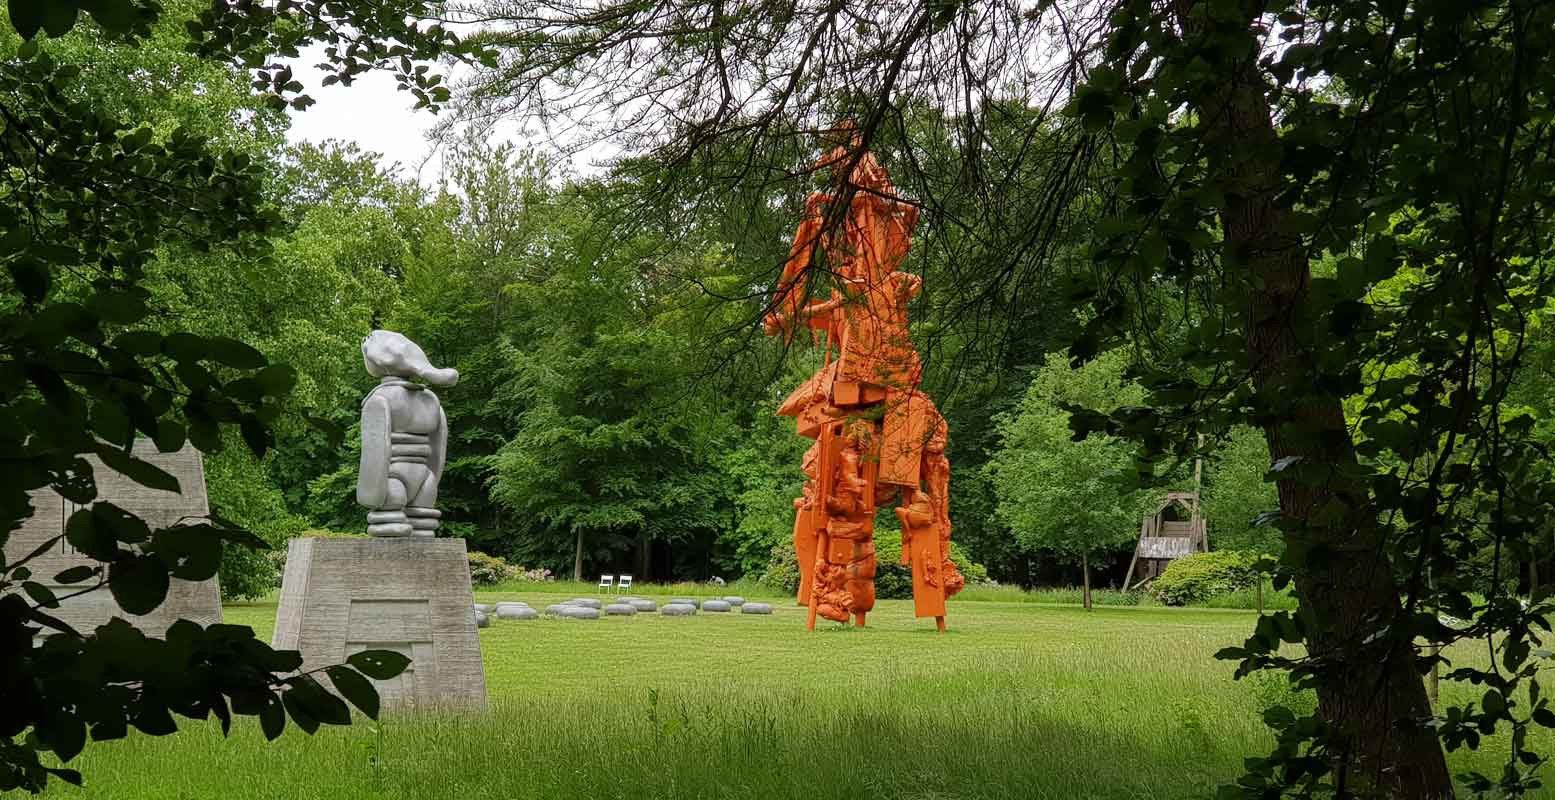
x: 872, y: 425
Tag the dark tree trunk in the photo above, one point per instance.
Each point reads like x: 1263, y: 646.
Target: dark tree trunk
x: 577, y: 559
x: 644, y: 559
x: 1370, y: 692
x: 1085, y: 578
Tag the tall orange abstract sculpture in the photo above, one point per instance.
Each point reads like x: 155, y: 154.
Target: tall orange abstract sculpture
x: 877, y: 437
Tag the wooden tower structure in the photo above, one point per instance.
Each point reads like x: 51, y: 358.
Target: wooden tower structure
x: 1176, y: 529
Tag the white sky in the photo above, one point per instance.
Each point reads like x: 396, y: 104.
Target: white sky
x: 370, y: 112
x: 378, y: 117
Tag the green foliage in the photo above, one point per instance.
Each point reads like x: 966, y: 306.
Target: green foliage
x: 1237, y: 501
x: 781, y: 573
x: 1072, y: 497
x: 1198, y: 577
x: 241, y: 492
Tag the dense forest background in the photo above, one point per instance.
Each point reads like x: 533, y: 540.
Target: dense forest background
x: 616, y: 390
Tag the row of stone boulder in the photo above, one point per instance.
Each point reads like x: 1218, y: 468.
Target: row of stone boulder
x: 589, y: 608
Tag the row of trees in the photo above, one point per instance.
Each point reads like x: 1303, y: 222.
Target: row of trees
x: 616, y: 409
x: 615, y: 413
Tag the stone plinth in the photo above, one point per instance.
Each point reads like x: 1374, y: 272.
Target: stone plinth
x: 195, y: 601
x: 411, y: 595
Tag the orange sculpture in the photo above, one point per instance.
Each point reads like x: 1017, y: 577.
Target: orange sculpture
x: 877, y: 437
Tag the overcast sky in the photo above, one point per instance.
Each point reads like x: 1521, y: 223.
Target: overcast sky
x: 370, y: 112
x: 378, y: 117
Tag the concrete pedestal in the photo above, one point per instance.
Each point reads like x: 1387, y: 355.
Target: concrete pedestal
x: 196, y: 601
x: 411, y: 595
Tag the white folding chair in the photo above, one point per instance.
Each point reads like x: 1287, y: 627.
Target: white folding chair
x: 625, y: 584
x: 606, y: 582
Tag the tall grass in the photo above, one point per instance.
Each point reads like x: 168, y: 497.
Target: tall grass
x: 1017, y: 700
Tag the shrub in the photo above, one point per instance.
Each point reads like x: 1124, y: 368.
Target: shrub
x: 1201, y: 576
x: 536, y: 575
x: 487, y: 570
x: 782, y: 571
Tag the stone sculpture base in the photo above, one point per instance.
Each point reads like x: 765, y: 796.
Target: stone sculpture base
x: 411, y: 595
x: 196, y: 601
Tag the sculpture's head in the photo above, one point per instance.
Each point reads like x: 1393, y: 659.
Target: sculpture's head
x: 845, y: 133
x: 387, y: 353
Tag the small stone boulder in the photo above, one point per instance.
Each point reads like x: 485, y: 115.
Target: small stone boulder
x: 485, y: 608
x: 620, y: 610
x: 756, y: 608
x: 734, y: 600
x: 517, y: 612
x: 686, y: 601
x: 678, y: 610
x: 556, y: 610
x: 481, y: 620
x: 579, y: 612
x: 643, y: 605
x: 585, y: 602
x: 715, y: 605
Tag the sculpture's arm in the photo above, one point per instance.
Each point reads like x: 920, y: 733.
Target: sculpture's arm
x: 372, y: 482
x: 792, y: 285
x: 439, y: 443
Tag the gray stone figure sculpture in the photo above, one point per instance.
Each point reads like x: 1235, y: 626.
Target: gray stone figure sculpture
x: 404, y: 438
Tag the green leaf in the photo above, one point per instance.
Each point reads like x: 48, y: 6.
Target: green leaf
x: 76, y: 574
x: 64, y: 733
x: 310, y: 695
x: 144, y: 473
x: 234, y: 353
x: 138, y: 583
x: 32, y: 278
x: 140, y: 343
x: 27, y: 16
x: 380, y: 665
x: 124, y: 526
x: 86, y: 533
x: 255, y: 435
x: 355, y: 688
x: 151, y: 717
x: 169, y: 436
x: 59, y: 16
x: 191, y: 553
x: 40, y: 594
x: 115, y: 16
x: 276, y: 380
x: 272, y: 718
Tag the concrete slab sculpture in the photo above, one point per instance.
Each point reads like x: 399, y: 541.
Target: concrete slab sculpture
x: 877, y: 435
x: 197, y: 601
x: 402, y: 589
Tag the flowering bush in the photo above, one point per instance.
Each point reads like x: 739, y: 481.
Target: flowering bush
x: 539, y: 575
x: 488, y: 569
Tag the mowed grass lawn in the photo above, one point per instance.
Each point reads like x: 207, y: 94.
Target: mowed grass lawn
x: 1018, y: 700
